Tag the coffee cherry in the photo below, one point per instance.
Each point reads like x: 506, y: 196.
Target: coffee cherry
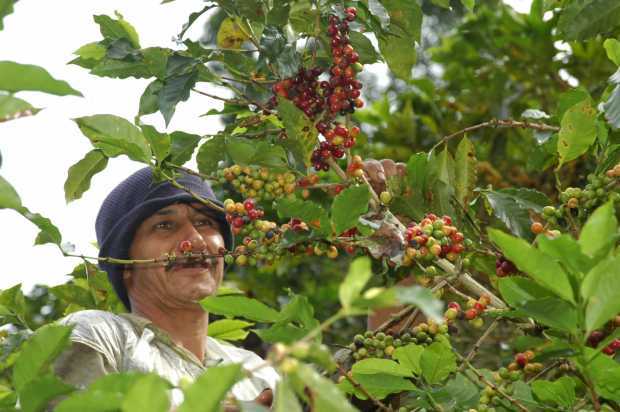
x: 537, y: 228
x: 385, y: 197
x: 185, y: 246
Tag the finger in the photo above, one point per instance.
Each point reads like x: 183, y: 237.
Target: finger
x: 375, y: 174
x: 401, y: 169
x: 389, y: 167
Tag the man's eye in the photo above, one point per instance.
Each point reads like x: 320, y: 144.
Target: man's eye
x: 204, y: 222
x: 163, y: 225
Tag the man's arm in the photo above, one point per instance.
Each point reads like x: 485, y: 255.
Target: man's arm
x: 80, y: 365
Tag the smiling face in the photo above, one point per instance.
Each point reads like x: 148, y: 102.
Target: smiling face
x: 163, y: 233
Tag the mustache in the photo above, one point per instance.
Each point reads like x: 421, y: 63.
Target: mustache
x: 187, y: 260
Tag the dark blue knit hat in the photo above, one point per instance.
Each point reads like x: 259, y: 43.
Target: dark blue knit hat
x: 133, y: 201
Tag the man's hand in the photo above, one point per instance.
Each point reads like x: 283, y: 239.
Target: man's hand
x: 265, y: 399
x: 379, y: 171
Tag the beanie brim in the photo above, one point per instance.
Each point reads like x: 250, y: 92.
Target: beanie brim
x: 119, y: 239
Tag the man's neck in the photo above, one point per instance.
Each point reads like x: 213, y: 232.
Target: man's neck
x: 187, y: 326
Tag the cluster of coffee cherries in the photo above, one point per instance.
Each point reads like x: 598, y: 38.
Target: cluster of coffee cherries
x: 356, y: 167
x: 475, y: 308
x: 503, y: 380
x: 523, y: 362
x: 382, y: 345
x: 302, y: 90
x: 575, y: 200
x: 258, y: 183
x: 259, y: 244
x: 504, y: 267
x: 434, y: 237
x: 597, y: 336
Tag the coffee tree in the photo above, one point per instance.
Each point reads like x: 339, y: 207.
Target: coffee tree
x: 493, y: 246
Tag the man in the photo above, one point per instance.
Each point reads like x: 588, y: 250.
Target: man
x: 165, y: 331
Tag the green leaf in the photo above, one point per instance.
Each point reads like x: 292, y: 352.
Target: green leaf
x: 437, y: 362
x: 560, y: 392
x: 175, y: 89
x: 348, y: 206
x: 278, y: 15
x: 74, y: 294
x: 48, y: 232
x: 409, y: 357
x: 182, y: 146
x: 601, y: 290
x: 552, y: 312
x: 442, y: 3
x: 612, y: 47
x: 81, y: 173
x: 325, y: 394
x: 249, y: 152
x: 229, y: 329
x: 469, y: 4
x: 38, y: 353
x: 605, y: 373
x: 159, y: 142
x: 399, y: 54
x: 300, y: 131
x: 287, y: 334
x: 599, y: 233
x: 516, y: 290
x: 117, y: 29
x: 9, y: 199
x: 578, y: 131
x: 6, y: 8
x: 364, y: 47
x: 210, y: 153
x: 422, y: 298
x: 149, y: 101
x: 536, y: 264
x: 92, y: 51
x: 92, y: 401
x: 15, y: 77
x: 239, y: 305
x: 373, y: 366
x: 38, y: 393
x: 512, y: 206
x: 115, y: 136
x: 398, y: 47
x: 355, y: 281
x: 304, y: 210
x: 378, y: 385
x: 149, y: 393
x: 567, y: 252
x: 584, y: 19
x: 285, y: 400
x: 13, y: 108
x: 465, y: 172
x: 377, y: 10
x: 210, y: 389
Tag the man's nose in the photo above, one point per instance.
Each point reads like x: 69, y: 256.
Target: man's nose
x: 195, y: 238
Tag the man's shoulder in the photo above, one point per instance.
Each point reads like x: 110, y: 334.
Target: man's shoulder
x: 95, y: 322
x: 92, y: 317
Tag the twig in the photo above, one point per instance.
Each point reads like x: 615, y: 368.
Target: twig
x: 544, y: 371
x: 497, y: 123
x: 212, y: 96
x: 474, y: 350
x: 484, y: 380
x: 204, y: 201
x: 361, y: 388
x: 193, y: 172
x: 470, y: 283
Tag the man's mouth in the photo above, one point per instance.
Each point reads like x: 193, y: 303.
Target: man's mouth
x: 190, y: 262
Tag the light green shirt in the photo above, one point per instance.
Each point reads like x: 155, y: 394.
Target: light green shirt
x: 105, y: 342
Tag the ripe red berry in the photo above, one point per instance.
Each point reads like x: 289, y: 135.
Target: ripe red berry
x: 341, y: 131
x: 454, y: 305
x: 254, y: 214
x: 249, y: 204
x: 238, y: 222
x: 479, y: 307
x: 471, y: 314
x: 615, y: 344
x: 608, y: 350
x: 185, y: 246
x: 521, y: 359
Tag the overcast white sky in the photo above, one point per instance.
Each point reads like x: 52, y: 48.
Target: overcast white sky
x: 37, y: 151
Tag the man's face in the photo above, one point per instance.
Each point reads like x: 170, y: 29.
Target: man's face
x: 163, y: 233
